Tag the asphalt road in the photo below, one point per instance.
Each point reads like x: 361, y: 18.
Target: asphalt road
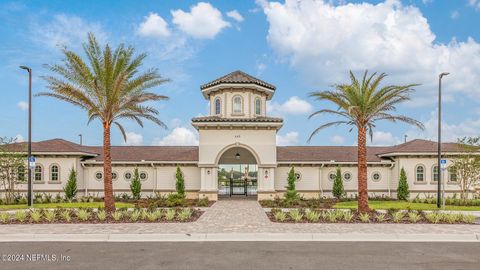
x: 241, y: 255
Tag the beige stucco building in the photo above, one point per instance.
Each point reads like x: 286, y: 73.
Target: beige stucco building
x: 238, y: 155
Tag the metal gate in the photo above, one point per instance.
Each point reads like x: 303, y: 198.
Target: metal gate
x: 238, y: 187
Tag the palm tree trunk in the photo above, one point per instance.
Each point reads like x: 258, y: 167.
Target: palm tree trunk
x: 362, y: 171
x: 107, y: 170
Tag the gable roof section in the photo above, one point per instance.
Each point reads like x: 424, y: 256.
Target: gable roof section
x: 325, y: 153
x: 52, y: 146
x: 238, y: 77
x: 214, y: 118
x: 150, y: 153
x: 421, y: 146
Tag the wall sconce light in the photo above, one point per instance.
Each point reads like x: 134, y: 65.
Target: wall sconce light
x: 237, y: 156
x: 208, y: 172
x: 266, y: 174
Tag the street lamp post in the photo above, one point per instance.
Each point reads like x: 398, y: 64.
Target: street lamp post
x: 29, y: 194
x: 439, y: 184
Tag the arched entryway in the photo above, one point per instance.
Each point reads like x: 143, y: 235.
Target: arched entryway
x: 237, y: 173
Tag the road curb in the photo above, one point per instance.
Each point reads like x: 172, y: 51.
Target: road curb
x: 242, y: 237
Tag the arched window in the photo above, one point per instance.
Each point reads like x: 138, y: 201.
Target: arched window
x: 452, y: 174
x: 217, y: 106
x: 54, y: 173
x: 258, y: 108
x: 435, y: 173
x: 237, y: 104
x: 420, y: 173
x: 21, y: 174
x: 38, y: 176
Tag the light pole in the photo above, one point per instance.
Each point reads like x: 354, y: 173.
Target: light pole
x: 439, y: 184
x: 29, y: 193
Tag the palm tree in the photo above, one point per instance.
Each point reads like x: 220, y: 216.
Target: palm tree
x: 110, y: 88
x: 361, y: 105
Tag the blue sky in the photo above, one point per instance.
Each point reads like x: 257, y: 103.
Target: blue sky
x: 299, y: 46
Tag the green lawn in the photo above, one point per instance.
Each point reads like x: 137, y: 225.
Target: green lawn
x: 64, y: 205
x: 404, y: 205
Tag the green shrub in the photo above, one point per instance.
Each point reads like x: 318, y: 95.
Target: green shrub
x: 50, y: 216
x: 202, y: 202
x: 102, y: 215
x: 381, y: 217
x: 295, y: 215
x: 170, y: 214
x: 135, y: 215
x: 136, y: 185
x: 470, y: 219
x: 180, y: 183
x: 70, y: 188
x: 364, y: 217
x: 280, y: 216
x: 398, y: 216
x: 117, y: 215
x: 175, y: 200
x: 152, y: 216
x: 402, y: 190
x: 4, y: 217
x: 82, y: 214
x: 313, y: 216
x: 291, y: 195
x: 348, y: 216
x: 414, y: 217
x: 433, y: 217
x: 185, y: 214
x: 337, y: 190
x: 66, y: 215
x: 21, y: 216
x: 331, y: 215
x: 36, y: 216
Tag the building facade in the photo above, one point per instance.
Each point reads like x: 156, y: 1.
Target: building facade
x: 238, y: 155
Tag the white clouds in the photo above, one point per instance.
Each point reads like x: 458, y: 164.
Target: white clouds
x: 450, y: 132
x: 337, y: 139
x: 203, y: 21
x: 178, y: 136
x: 66, y: 30
x: 324, y: 41
x: 154, y: 26
x: 474, y: 3
x: 455, y: 14
x: 22, y: 105
x: 19, y: 138
x: 234, y: 14
x: 134, y: 138
x: 381, y: 138
x: 294, y: 105
x: 291, y: 138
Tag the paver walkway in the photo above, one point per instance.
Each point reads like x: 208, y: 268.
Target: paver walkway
x: 237, y: 216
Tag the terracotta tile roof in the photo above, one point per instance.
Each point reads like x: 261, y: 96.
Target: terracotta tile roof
x: 325, y: 153
x: 220, y: 119
x: 237, y: 77
x: 151, y: 153
x: 53, y: 145
x: 422, y: 146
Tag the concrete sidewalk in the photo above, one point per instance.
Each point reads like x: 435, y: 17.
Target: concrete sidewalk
x: 242, y: 237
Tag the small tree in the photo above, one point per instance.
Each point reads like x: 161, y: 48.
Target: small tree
x: 402, y: 190
x: 70, y: 188
x: 180, y: 183
x: 136, y: 185
x: 12, y: 167
x: 466, y: 167
x: 337, y: 190
x: 291, y: 194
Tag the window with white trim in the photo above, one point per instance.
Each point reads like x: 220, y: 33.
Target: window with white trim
x: 420, y: 173
x: 21, y: 174
x: 332, y: 176
x: 435, y: 173
x: 128, y: 176
x: 376, y: 177
x: 237, y: 104
x: 218, y: 106
x: 54, y: 173
x: 452, y: 174
x: 38, y: 175
x: 258, y: 108
x: 99, y: 176
x: 347, y: 176
x: 143, y: 176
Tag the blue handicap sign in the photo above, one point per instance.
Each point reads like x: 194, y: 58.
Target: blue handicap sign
x: 31, y: 159
x: 443, y: 161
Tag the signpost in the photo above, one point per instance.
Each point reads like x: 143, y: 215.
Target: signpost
x: 443, y: 165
